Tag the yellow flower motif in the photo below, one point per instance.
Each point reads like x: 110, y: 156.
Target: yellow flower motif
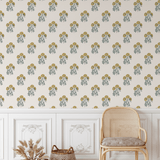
x: 42, y: 97
x: 156, y: 46
x: 134, y: 88
x: 63, y: 11
x: 156, y: 67
x: 95, y: 107
x: 145, y: 35
x: 92, y: 46
x: 53, y: 86
x: 127, y: 54
x: 117, y: 86
x: 148, y: 96
x: 60, y: 14
x: 74, y: 86
x: 32, y: 86
x: 92, y: 3
x: 63, y: 96
x: 31, y: 107
x: 127, y: 96
x: 21, y: 96
x: 149, y: 33
x: 10, y: 107
x: 103, y: 14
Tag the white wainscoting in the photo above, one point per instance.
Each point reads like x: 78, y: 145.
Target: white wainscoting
x: 72, y: 127
x: 3, y: 136
x: 156, y: 137
x: 80, y: 131
x: 27, y: 126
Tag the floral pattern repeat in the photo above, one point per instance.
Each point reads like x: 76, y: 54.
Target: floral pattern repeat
x: 79, y: 53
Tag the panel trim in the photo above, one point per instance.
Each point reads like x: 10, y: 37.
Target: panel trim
x: 2, y: 138
x: 155, y: 138
x: 69, y: 111
x: 91, y: 117
x: 4, y: 142
x: 12, y: 129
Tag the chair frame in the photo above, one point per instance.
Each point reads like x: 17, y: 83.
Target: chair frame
x: 102, y: 155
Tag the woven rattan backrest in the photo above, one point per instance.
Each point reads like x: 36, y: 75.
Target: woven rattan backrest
x: 120, y: 122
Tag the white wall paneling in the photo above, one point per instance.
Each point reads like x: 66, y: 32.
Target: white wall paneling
x: 81, y: 132
x: 26, y: 127
x: 3, y: 136
x: 65, y: 128
x: 156, y: 137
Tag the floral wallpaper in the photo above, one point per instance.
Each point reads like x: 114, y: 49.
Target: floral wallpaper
x: 79, y: 53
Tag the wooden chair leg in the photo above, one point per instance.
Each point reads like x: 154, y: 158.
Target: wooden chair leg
x: 136, y: 155
x: 104, y: 157
x: 100, y: 153
x: 147, y: 156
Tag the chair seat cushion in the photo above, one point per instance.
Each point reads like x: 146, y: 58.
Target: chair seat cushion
x: 122, y: 141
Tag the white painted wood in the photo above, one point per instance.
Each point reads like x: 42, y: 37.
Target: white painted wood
x: 69, y: 127
x: 26, y: 126
x: 69, y: 111
x: 80, y: 132
x: 155, y: 137
x: 3, y: 137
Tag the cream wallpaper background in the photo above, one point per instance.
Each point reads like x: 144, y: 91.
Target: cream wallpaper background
x: 79, y: 54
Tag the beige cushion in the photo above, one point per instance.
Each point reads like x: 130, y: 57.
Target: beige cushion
x: 122, y: 141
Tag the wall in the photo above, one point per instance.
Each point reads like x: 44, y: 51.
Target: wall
x: 80, y: 54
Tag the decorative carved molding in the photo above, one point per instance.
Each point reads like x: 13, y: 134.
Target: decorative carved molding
x: 81, y: 149
x: 80, y: 128
x: 32, y: 128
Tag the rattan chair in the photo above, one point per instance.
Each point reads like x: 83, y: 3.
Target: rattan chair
x: 121, y: 131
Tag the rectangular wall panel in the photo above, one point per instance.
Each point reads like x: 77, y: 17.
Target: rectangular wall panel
x: 3, y: 137
x: 156, y: 137
x: 26, y: 127
x: 81, y: 132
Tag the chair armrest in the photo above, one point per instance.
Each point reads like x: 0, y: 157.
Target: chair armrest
x: 144, y: 133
